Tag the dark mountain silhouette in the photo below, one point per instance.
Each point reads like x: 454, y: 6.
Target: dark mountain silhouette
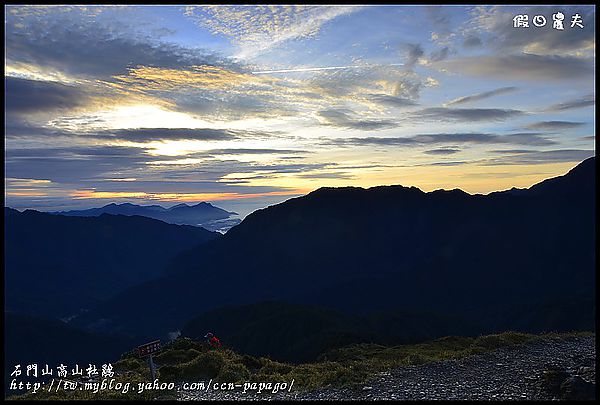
x: 391, y: 248
x: 300, y: 333
x: 202, y: 214
x: 57, y: 265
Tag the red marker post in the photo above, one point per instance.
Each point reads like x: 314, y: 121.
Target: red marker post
x: 148, y: 349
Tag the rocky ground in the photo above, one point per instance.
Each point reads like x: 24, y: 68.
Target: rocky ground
x: 537, y: 371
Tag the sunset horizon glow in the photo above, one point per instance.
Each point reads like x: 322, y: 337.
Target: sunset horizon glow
x: 248, y: 106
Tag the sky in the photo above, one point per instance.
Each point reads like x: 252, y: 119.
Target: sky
x: 247, y: 106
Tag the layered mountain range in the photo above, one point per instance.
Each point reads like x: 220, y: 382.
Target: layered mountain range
x: 203, y: 214
x: 522, y: 258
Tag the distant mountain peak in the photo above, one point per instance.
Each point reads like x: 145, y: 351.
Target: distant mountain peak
x: 202, y: 214
x: 179, y: 206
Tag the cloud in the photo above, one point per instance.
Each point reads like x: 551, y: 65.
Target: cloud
x: 512, y: 151
x: 444, y: 151
x: 409, y: 89
x: 472, y: 41
x: 78, y: 44
x: 524, y: 67
x: 220, y: 93
x: 74, y: 152
x: 134, y: 67
x: 458, y: 163
x: 71, y: 165
x: 213, y: 92
x: 495, y: 25
x: 554, y: 125
x: 585, y: 101
x: 527, y: 138
x: 25, y: 96
x: 16, y: 127
x: 439, y: 18
x: 466, y: 114
x: 117, y: 172
x: 22, y: 130
x: 414, y: 52
x: 342, y: 118
x: 206, y: 77
x: 396, y: 85
x: 245, y: 151
x: 356, y: 84
x: 439, y: 55
x: 159, y: 134
x: 49, y: 102
x: 327, y: 175
x: 258, y: 29
x: 178, y: 187
x: 520, y: 138
x: 541, y: 157
x: 282, y: 154
x: 392, y: 101
x: 45, y: 194
x: 481, y: 96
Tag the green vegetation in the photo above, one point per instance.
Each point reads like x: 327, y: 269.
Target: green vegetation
x: 189, y: 360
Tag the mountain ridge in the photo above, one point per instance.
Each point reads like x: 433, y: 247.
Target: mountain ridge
x: 202, y: 214
x: 86, y: 259
x: 390, y: 247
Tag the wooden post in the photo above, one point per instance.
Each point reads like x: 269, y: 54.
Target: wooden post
x: 152, y: 369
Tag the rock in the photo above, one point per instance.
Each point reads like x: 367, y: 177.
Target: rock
x: 552, y: 380
x: 576, y: 388
x: 588, y: 362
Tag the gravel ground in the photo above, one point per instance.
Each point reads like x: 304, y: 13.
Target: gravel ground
x: 504, y: 374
